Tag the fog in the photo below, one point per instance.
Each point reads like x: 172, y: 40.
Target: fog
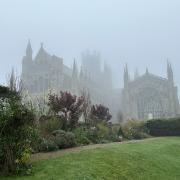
x: 138, y: 32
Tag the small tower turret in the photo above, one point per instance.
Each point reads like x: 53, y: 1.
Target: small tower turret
x: 170, y: 75
x: 74, y: 85
x: 27, y: 61
x: 75, y: 70
x: 29, y: 51
x: 126, y: 76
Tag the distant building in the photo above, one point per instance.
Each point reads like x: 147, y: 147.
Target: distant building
x: 147, y: 96
x: 44, y: 72
x: 47, y: 72
x: 150, y: 96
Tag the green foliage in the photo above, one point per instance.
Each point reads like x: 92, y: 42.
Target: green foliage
x: 103, y: 130
x: 93, y: 135
x: 35, y: 140
x: 23, y: 163
x: 164, y: 127
x: 104, y: 141
x: 134, y: 129
x: 48, y: 124
x: 16, y: 132
x: 120, y: 132
x: 108, y: 132
x: 47, y: 145
x: 82, y: 136
x: 103, y: 133
x: 58, y: 139
x: 115, y: 133
x: 64, y: 139
x: 152, y: 159
x: 70, y: 137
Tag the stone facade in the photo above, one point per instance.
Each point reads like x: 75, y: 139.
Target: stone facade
x: 44, y: 72
x: 149, y: 96
x: 47, y: 72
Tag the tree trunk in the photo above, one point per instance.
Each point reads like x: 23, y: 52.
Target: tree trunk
x: 9, y: 165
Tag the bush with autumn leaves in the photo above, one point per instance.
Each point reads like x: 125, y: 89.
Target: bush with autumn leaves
x: 70, y: 113
x: 70, y: 121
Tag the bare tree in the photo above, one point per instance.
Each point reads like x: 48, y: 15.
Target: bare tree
x: 14, y: 82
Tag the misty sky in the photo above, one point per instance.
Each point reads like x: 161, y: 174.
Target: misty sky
x: 143, y: 33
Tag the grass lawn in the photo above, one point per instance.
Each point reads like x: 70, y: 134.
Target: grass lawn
x: 155, y: 159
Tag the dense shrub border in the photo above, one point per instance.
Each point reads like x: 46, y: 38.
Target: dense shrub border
x: 164, y: 127
x: 17, y: 133
x: 134, y: 129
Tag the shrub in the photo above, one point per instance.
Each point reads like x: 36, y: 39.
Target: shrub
x: 115, y: 138
x: 58, y: 132
x: 60, y: 138
x: 70, y: 139
x: 103, y: 131
x: 93, y: 135
x: 134, y: 129
x: 99, y: 113
x: 48, y: 124
x: 108, y: 132
x: 104, y: 141
x: 164, y: 127
x: 81, y: 135
x: 98, y: 134
x: 64, y: 139
x: 17, y: 124
x: 83, y: 140
x: 69, y: 106
x: 47, y: 145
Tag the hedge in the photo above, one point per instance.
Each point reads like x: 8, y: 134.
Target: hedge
x: 164, y: 127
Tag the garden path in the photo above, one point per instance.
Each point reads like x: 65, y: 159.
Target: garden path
x: 47, y: 155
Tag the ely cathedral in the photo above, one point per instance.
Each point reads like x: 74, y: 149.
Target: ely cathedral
x: 150, y: 96
x: 145, y: 97
x: 47, y: 72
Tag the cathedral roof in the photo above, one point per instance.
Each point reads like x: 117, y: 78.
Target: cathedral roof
x: 29, y: 48
x: 154, y: 76
x: 149, y: 77
x: 42, y: 55
x: 43, y: 61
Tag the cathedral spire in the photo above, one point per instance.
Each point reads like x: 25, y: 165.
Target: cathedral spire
x: 126, y: 75
x: 12, y: 81
x: 29, y: 50
x: 170, y: 72
x: 75, y: 70
x: 42, y: 47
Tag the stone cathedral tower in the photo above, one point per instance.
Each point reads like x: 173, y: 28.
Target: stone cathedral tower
x: 43, y: 73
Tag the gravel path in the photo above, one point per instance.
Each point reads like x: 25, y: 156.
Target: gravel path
x: 47, y: 155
